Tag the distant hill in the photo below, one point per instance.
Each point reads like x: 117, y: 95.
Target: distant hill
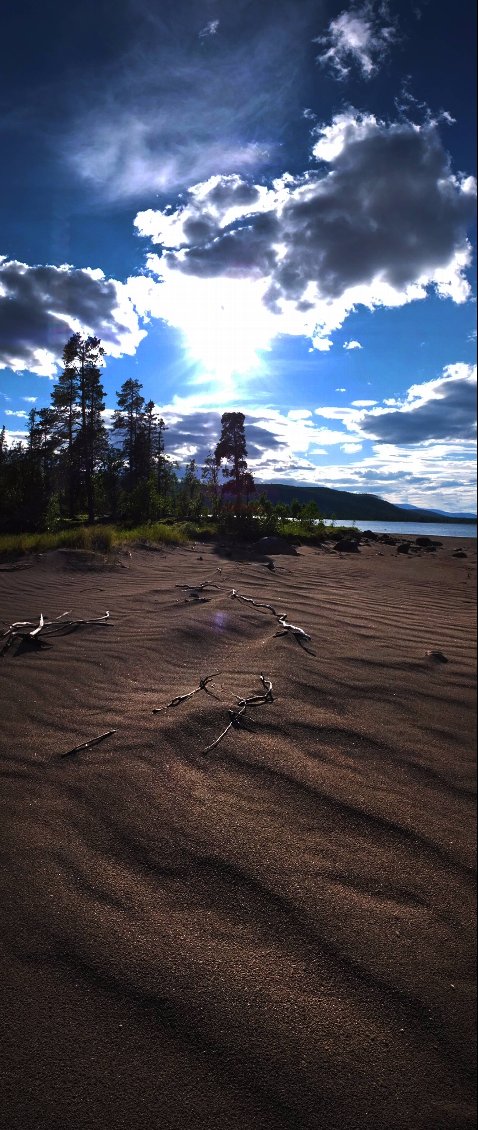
x: 462, y: 516
x: 342, y: 505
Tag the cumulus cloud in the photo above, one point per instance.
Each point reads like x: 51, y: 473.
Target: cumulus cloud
x: 10, y: 412
x: 352, y: 345
x: 356, y: 37
x: 442, y: 409
x: 41, y: 306
x: 380, y: 223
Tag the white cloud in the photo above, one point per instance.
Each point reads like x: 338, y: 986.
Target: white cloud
x: 351, y: 448
x: 41, y: 306
x: 341, y: 390
x: 209, y: 30
x: 352, y: 345
x: 363, y: 403
x: 10, y: 412
x: 382, y: 225
x: 356, y: 36
x: 30, y: 399
x: 440, y: 409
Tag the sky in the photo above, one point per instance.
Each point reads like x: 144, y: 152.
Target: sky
x: 257, y: 206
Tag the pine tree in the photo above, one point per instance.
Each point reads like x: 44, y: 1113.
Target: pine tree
x: 64, y: 399
x: 82, y: 359
x: 210, y: 478
x: 128, y: 419
x: 232, y: 451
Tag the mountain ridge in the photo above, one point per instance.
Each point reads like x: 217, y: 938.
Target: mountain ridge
x: 341, y: 504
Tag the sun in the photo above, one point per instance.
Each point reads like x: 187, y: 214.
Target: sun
x: 224, y: 323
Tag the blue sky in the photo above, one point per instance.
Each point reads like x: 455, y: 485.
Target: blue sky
x: 266, y: 207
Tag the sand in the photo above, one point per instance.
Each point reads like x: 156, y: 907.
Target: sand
x: 276, y: 934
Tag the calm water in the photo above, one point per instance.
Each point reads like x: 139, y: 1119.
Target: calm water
x: 418, y: 529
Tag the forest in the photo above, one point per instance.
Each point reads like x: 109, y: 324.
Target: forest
x: 73, y: 470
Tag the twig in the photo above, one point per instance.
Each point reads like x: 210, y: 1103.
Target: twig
x: 86, y: 745
x: 243, y: 703
x: 256, y: 603
x: 26, y: 629
x: 297, y: 633
x: 179, y: 698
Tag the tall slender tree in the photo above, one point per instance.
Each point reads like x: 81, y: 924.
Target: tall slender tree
x: 127, y: 419
x: 83, y: 358
x: 64, y: 399
x: 231, y: 451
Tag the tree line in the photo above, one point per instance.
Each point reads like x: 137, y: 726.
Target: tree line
x: 72, y: 467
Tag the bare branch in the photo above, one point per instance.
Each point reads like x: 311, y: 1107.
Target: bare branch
x: 86, y: 745
x: 182, y: 697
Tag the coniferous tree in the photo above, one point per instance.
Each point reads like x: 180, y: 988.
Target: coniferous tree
x: 127, y: 419
x: 64, y: 399
x: 189, y: 493
x: 232, y: 451
x: 83, y: 358
x: 212, y: 488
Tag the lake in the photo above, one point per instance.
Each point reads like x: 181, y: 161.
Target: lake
x: 416, y: 529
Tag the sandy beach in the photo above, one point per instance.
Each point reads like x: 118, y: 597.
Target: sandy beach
x: 274, y: 934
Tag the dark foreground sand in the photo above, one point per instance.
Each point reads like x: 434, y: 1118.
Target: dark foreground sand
x: 278, y: 934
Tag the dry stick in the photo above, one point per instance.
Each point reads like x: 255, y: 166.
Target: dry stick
x: 198, y: 588
x: 297, y: 633
x: 256, y: 603
x: 21, y: 628
x: 182, y: 697
x: 243, y: 703
x: 86, y: 745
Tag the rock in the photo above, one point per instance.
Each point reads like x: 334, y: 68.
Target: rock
x: 437, y: 656
x: 387, y: 539
x: 404, y: 547
x: 370, y: 535
x: 347, y: 545
x: 275, y: 545
x: 428, y: 543
x: 459, y: 553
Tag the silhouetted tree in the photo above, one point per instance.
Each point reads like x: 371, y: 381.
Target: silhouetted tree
x: 127, y: 419
x: 232, y: 451
x: 82, y: 359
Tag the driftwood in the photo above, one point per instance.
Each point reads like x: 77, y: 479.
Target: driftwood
x: 179, y: 698
x: 86, y: 745
x: 27, y: 629
x: 256, y: 603
x: 194, y: 591
x: 285, y: 627
x: 243, y: 703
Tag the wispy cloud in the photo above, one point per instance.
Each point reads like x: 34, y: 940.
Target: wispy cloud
x: 209, y: 30
x: 172, y: 112
x: 357, y: 37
